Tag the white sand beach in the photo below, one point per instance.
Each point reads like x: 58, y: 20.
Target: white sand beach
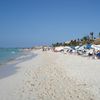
x: 51, y: 76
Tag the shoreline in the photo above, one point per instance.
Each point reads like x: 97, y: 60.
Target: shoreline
x: 52, y: 76
x: 18, y: 57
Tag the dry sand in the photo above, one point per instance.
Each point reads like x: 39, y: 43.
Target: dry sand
x: 51, y: 76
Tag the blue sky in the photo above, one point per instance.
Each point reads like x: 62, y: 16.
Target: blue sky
x: 25, y: 23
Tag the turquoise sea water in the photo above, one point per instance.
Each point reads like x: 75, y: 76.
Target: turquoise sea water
x: 7, y: 54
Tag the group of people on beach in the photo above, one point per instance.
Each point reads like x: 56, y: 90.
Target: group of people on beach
x: 91, y: 53
x: 94, y: 54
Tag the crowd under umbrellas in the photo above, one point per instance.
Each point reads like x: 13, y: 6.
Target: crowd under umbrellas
x: 88, y: 50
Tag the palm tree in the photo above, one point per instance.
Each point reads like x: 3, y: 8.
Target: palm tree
x: 99, y: 34
x: 91, y: 34
x: 85, y: 38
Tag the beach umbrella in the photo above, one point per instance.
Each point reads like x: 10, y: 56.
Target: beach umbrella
x: 96, y: 47
x: 90, y: 51
x: 88, y: 46
x: 59, y: 48
x: 67, y: 47
x: 77, y: 47
x: 82, y: 47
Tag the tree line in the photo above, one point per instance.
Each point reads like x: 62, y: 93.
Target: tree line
x: 84, y: 40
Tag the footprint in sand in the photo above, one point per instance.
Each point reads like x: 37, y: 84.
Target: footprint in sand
x: 70, y: 96
x: 77, y: 96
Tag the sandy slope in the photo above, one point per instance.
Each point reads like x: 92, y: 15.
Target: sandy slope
x: 52, y: 76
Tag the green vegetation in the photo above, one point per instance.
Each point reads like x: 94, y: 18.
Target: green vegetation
x: 84, y: 40
x: 99, y: 34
